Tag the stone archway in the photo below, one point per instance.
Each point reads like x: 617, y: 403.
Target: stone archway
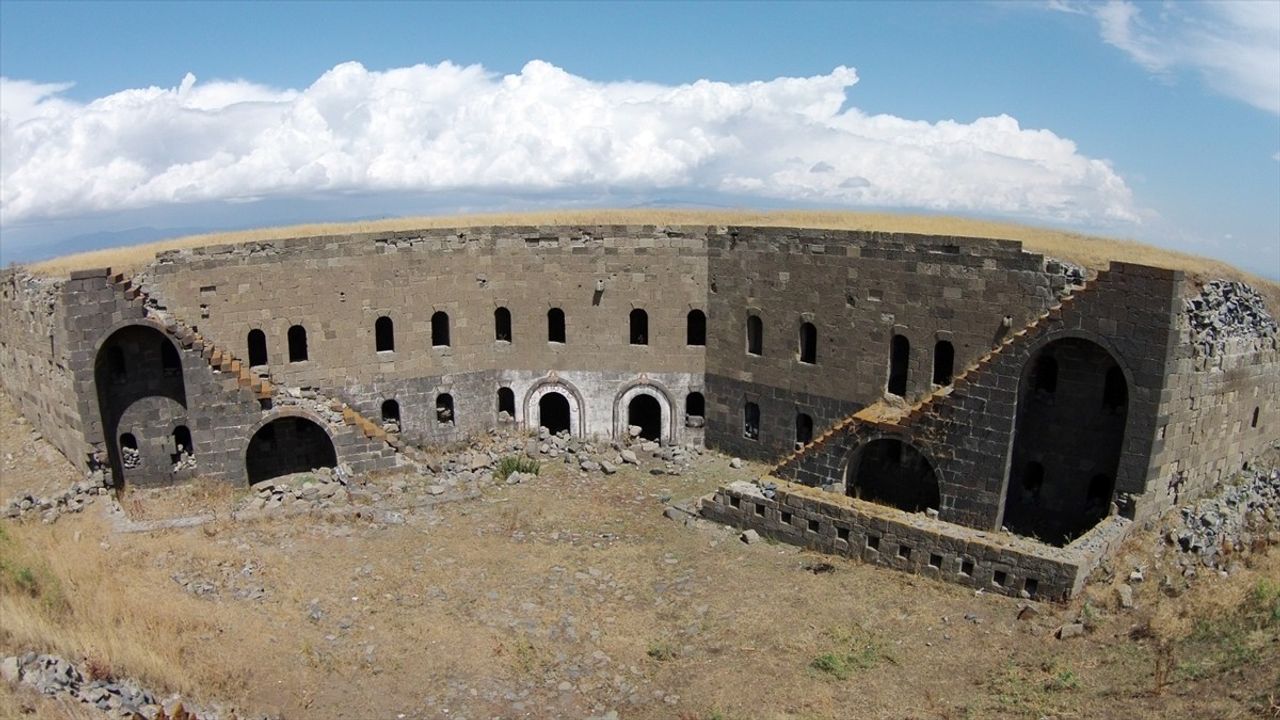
x: 288, y: 444
x: 1072, y: 415
x: 654, y: 411
x: 568, y: 395
x: 891, y: 472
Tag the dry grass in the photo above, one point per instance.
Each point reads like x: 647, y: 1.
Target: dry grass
x: 1091, y: 251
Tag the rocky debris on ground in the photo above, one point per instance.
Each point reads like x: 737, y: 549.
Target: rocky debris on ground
x: 226, y: 579
x: 71, y: 500
x: 1217, y: 530
x: 605, y: 456
x: 1226, y: 310
x: 310, y: 399
x: 53, y: 676
x: 320, y: 488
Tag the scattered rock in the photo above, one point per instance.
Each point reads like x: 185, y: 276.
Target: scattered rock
x: 1070, y: 630
x: 1124, y: 593
x: 750, y: 537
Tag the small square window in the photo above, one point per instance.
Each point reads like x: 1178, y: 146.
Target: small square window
x: 904, y: 552
x: 786, y: 518
x: 814, y: 526
x: 966, y: 568
x: 842, y: 533
x: 1000, y: 578
x: 873, y: 542
x: 734, y: 502
x: 935, y: 561
x: 759, y: 510
x: 1031, y: 586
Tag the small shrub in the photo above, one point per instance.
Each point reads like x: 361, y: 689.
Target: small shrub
x: 661, y: 651
x: 1063, y: 680
x: 832, y: 664
x: 515, y: 463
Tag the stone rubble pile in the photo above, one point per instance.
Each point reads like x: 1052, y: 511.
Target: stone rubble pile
x: 606, y: 456
x: 1226, y: 310
x: 1075, y: 274
x: 320, y: 488
x: 124, y: 699
x: 309, y: 399
x: 1216, y: 530
x: 71, y: 500
x: 240, y: 583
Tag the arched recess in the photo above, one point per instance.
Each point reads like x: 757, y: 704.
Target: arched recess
x: 130, y: 377
x: 287, y: 444
x: 533, y: 404
x: 889, y: 471
x: 624, y: 407
x: 1072, y: 416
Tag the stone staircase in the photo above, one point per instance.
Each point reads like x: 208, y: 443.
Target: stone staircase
x: 895, y: 416
x: 224, y: 362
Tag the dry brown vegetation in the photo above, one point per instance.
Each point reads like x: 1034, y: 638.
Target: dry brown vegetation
x: 1088, y: 250
x: 575, y: 582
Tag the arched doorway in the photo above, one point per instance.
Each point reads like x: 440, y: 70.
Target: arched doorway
x: 141, y: 395
x: 645, y: 412
x: 1068, y: 437
x: 891, y: 472
x: 553, y: 413
x: 288, y: 445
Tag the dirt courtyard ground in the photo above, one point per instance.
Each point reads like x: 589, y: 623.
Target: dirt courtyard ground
x: 572, y: 596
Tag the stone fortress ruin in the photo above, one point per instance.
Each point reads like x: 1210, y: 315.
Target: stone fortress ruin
x: 919, y: 394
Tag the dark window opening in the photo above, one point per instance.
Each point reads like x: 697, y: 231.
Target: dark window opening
x: 444, y: 408
x: 1031, y: 585
x: 695, y: 410
x: 639, y: 327
x: 904, y: 552
x: 1115, y: 391
x: 440, y: 329
x: 1045, y: 375
x: 786, y: 518
x: 759, y: 510
x: 555, y: 325
x: 944, y: 361
x: 814, y: 526
x: 873, y: 542
x: 966, y: 567
x: 170, y: 362
x: 502, y: 325
x: 391, y: 413
x: 842, y: 533
x: 899, y: 357
x: 935, y: 561
x: 804, y: 429
x: 808, y: 343
x: 553, y: 413
x: 1000, y: 577
x: 1098, y: 499
x: 696, y: 328
x: 751, y: 421
x: 1254, y: 422
x: 1032, y: 480
x: 297, y: 344
x: 384, y: 334
x: 755, y: 335
x: 129, y: 456
x: 288, y: 445
x: 645, y: 412
x: 506, y: 404
x: 183, y: 447
x: 890, y: 472
x: 257, y: 348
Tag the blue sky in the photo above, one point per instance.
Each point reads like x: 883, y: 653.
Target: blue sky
x: 1153, y: 121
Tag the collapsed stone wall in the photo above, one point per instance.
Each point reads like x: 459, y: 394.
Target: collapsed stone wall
x: 34, y: 360
x: 1220, y: 409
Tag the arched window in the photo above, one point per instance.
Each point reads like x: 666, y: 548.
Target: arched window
x: 506, y: 404
x: 182, y: 445
x: 808, y: 343
x: 639, y: 327
x: 297, y: 344
x: 502, y: 325
x: 444, y: 408
x: 804, y: 429
x: 169, y: 360
x: 944, y: 361
x: 1045, y: 375
x: 1115, y: 391
x: 390, y: 412
x: 751, y: 421
x: 555, y: 325
x: 257, y: 348
x: 384, y: 335
x: 899, y: 356
x: 696, y: 328
x: 695, y: 406
x: 755, y: 335
x: 440, y: 329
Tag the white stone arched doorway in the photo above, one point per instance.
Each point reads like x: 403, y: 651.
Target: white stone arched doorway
x: 556, y: 405
x: 647, y: 406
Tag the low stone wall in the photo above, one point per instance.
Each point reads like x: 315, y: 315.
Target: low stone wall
x: 915, y: 543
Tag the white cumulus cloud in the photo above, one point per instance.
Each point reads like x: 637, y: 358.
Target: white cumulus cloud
x: 1233, y: 45
x: 444, y: 127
